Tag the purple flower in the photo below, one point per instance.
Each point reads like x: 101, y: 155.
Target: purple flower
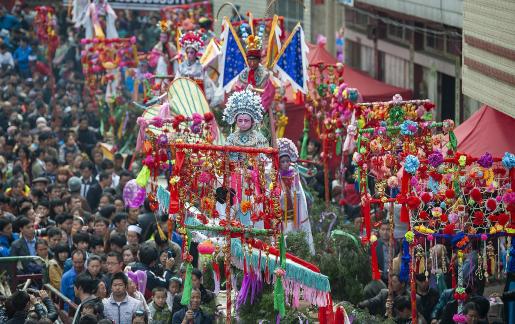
x: 435, y: 159
x: 486, y: 160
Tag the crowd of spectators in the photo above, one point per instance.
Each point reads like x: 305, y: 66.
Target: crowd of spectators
x: 61, y: 200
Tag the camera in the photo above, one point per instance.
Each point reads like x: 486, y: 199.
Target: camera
x: 33, y: 291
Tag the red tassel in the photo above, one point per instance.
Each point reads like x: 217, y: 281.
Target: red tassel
x: 373, y: 262
x: 173, y: 207
x: 404, y: 214
x: 338, y: 316
x: 512, y: 177
x: 404, y: 217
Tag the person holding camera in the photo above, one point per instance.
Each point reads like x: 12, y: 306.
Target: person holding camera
x: 23, y: 301
x: 193, y: 314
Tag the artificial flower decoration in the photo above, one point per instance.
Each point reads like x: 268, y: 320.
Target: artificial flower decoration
x: 411, y: 164
x: 508, y: 160
x: 486, y: 160
x: 409, y: 128
x: 435, y: 159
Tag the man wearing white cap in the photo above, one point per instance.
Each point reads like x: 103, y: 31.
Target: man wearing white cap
x: 133, y: 234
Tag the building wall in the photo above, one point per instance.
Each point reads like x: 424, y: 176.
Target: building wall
x: 448, y: 12
x: 419, y: 47
x: 489, y: 53
x: 327, y: 19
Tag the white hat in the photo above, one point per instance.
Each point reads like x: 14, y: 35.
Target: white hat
x: 134, y: 228
x: 41, y: 120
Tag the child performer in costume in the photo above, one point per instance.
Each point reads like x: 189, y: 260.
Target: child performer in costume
x: 192, y: 47
x: 293, y: 199
x: 164, y: 53
x: 245, y: 109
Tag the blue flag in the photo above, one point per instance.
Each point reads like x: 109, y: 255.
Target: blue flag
x: 292, y: 60
x: 233, y: 57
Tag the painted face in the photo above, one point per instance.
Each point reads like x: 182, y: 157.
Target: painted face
x: 163, y: 38
x: 253, y: 62
x: 244, y: 122
x: 285, y: 162
x: 191, y: 54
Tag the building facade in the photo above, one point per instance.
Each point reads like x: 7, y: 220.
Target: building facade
x: 489, y: 53
x: 411, y: 44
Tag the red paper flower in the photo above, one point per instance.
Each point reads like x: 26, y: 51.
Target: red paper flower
x: 413, y: 202
x: 475, y: 194
x: 423, y: 215
x: 479, y: 218
x: 503, y: 219
x: 491, y: 204
x: 426, y: 197
x: 449, y: 194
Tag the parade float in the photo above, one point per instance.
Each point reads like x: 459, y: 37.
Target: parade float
x: 235, y: 196
x: 410, y: 166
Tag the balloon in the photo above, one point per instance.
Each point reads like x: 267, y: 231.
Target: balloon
x: 133, y: 195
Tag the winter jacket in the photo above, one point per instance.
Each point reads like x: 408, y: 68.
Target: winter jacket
x: 121, y: 313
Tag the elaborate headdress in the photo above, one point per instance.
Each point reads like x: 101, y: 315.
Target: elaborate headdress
x: 253, y: 42
x: 287, y: 148
x: 254, y: 46
x: 191, y: 40
x: 165, y: 26
x: 243, y: 102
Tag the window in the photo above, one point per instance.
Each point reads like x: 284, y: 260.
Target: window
x: 435, y: 41
x: 396, y: 29
x: 361, y: 19
x: 292, y: 11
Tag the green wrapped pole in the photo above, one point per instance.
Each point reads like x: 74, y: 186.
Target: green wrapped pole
x: 143, y: 177
x: 279, y: 303
x: 186, y: 292
x: 305, y: 139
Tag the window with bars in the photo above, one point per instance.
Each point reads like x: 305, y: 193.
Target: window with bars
x: 292, y: 11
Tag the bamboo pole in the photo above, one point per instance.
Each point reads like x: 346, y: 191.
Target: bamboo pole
x: 389, y: 302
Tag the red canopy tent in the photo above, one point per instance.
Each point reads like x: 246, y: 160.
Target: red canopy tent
x: 487, y: 130
x: 370, y: 89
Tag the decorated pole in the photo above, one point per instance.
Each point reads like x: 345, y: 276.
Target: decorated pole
x: 389, y: 303
x: 227, y: 252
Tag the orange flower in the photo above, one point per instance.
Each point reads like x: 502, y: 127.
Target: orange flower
x: 245, y: 206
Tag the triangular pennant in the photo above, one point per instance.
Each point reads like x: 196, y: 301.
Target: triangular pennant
x: 233, y: 60
x: 292, y: 61
x: 212, y: 51
x: 274, y: 42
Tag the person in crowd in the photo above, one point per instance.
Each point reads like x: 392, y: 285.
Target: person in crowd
x: 120, y: 307
x: 85, y: 288
x: 68, y: 280
x: 25, y: 245
x: 159, y: 310
x: 119, y: 224
x: 130, y: 254
x: 427, y: 296
x: 114, y: 264
x: 148, y: 258
x: 192, y: 313
x: 377, y: 304
x: 56, y: 265
x: 7, y: 237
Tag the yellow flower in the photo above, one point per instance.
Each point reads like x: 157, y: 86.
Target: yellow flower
x: 462, y: 160
x: 410, y: 236
x: 174, y: 180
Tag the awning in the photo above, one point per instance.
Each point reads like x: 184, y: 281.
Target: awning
x: 487, y: 130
